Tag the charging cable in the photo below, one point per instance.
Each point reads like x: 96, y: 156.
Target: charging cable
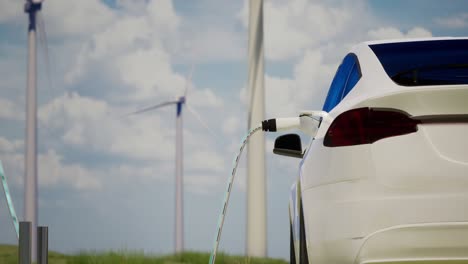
x: 270, y: 125
x: 228, y: 192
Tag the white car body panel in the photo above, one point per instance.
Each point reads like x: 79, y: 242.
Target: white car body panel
x: 403, y: 198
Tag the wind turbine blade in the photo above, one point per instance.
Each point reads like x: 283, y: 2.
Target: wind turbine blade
x: 45, y: 46
x: 153, y: 107
x: 256, y: 203
x: 201, y: 121
x: 188, y: 80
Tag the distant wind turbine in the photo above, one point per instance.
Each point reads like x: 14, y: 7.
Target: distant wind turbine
x: 32, y: 8
x: 179, y: 211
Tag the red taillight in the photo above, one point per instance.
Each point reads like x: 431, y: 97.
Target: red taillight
x: 367, y: 125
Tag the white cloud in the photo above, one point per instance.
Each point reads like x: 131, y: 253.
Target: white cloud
x: 211, y: 44
x: 13, y: 82
x: 13, y: 164
x: 385, y: 33
x: 149, y: 73
x: 91, y: 123
x: 163, y: 16
x: 72, y: 107
x: 394, y: 33
x: 293, y: 26
x: 205, y: 161
x: 202, y: 183
x: 454, y: 22
x: 134, y: 7
x: 305, y: 90
x: 131, y: 172
x: 76, y: 18
x: 12, y: 157
x: 313, y: 37
x: 119, y: 37
x: 280, y: 96
x: 7, y: 146
x: 204, y: 98
x: 10, y: 9
x: 136, y: 51
x: 53, y: 172
x: 10, y: 110
x: 418, y: 32
x: 130, y: 48
x: 231, y: 125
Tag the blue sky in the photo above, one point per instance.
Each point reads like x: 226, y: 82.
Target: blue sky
x: 108, y: 182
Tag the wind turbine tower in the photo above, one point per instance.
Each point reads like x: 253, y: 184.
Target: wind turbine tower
x: 256, y: 183
x: 179, y: 210
x: 180, y: 103
x: 32, y: 7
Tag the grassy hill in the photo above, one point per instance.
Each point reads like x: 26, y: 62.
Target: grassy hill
x: 9, y: 255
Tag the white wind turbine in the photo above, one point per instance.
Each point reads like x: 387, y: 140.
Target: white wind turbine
x: 179, y: 208
x: 256, y: 182
x: 32, y: 8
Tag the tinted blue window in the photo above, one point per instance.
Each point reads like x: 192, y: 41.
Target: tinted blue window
x: 353, y: 78
x: 435, y: 62
x: 346, y: 77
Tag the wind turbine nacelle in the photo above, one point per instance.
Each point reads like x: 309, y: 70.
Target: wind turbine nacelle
x: 32, y: 6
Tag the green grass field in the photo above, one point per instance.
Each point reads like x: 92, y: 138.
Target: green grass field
x: 9, y: 255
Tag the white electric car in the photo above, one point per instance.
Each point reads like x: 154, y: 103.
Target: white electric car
x: 385, y: 177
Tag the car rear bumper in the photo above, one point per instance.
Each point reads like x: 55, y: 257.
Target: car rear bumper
x: 416, y: 243
x: 368, y: 223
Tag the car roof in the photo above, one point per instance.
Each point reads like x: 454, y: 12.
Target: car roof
x: 373, y: 73
x: 386, y: 41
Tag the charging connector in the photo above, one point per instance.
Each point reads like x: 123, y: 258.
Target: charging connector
x: 308, y: 122
x: 281, y: 124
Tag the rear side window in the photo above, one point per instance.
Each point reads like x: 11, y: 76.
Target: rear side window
x: 417, y: 63
x: 346, y: 77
